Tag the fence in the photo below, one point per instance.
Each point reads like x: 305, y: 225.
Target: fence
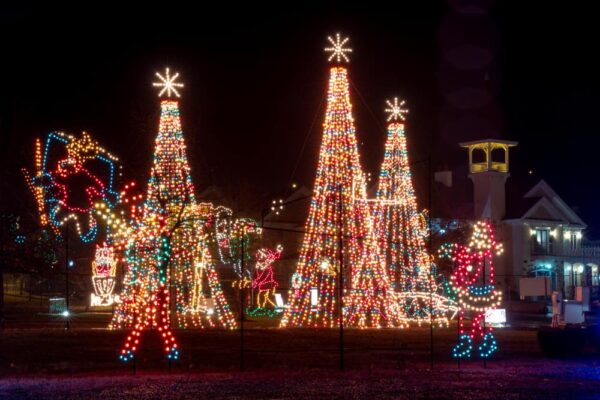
x: 256, y: 343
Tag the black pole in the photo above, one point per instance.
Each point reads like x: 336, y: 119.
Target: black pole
x: 573, y: 281
x: 458, y: 321
x: 429, y: 178
x: 2, y: 260
x: 67, y: 317
x: 341, y: 286
x: 170, y: 291
x: 485, y: 264
x: 242, y: 303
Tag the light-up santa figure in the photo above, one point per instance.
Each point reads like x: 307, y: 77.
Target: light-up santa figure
x: 473, y: 280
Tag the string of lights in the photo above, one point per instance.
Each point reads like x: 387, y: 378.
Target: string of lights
x: 473, y: 280
x: 339, y: 238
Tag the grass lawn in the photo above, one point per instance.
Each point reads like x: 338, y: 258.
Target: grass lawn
x: 290, y: 363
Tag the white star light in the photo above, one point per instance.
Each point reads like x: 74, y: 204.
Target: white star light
x: 338, y: 51
x: 396, y: 111
x: 168, y: 84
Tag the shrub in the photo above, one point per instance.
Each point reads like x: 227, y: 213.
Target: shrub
x: 557, y: 342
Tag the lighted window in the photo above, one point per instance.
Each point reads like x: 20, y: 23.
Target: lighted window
x: 542, y: 239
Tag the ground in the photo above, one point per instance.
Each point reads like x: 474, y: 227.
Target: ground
x: 39, y: 359
x: 292, y: 363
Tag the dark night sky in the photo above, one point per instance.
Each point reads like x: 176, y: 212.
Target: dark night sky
x: 255, y: 79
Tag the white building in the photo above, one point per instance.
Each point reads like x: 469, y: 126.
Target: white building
x: 542, y: 235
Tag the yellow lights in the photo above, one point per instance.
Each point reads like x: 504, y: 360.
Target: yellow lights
x: 578, y: 235
x: 84, y: 148
x: 277, y: 206
x: 338, y: 51
x: 482, y: 241
x: 401, y: 231
x: 325, y: 265
x: 478, y: 302
x: 340, y: 232
x: 165, y: 242
x: 396, y: 110
x: 443, y: 308
x: 168, y: 84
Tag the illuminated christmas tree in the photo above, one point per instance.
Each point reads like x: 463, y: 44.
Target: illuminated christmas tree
x: 339, y: 242
x: 400, y: 226
x: 166, y: 250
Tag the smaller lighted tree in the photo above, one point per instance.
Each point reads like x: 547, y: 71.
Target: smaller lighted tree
x: 473, y: 281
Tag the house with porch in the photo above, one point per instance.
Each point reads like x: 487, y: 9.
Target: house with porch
x: 542, y: 235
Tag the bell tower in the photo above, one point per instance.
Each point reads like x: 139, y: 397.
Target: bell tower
x: 488, y: 169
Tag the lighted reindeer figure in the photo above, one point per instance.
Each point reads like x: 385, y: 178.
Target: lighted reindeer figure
x: 473, y: 281
x: 264, y: 280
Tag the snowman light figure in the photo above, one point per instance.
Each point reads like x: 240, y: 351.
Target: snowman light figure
x: 473, y: 281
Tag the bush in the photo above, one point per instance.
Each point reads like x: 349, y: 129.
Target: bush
x: 557, y: 342
x: 594, y: 336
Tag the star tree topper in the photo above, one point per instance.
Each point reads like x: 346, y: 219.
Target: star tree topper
x: 338, y: 51
x: 168, y: 84
x: 396, y: 110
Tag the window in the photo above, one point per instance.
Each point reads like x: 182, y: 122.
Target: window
x: 542, y: 239
x: 479, y: 156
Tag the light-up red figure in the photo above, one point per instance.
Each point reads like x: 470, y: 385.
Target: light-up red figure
x: 78, y: 189
x: 264, y: 279
x: 152, y: 309
x: 474, y: 282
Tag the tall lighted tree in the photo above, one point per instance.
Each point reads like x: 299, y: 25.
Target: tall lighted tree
x: 400, y: 226
x: 166, y: 249
x: 339, y: 243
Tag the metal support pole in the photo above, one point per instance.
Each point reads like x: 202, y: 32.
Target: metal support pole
x: 341, y: 286
x: 458, y: 322
x: 3, y: 238
x: 68, y: 312
x: 242, y: 293
x: 429, y: 178
x: 485, y: 264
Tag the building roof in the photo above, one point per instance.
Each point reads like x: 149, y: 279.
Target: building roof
x: 509, y: 143
x: 541, y: 202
